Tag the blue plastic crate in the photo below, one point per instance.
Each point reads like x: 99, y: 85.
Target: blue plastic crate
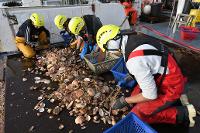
x: 120, y: 71
x: 130, y: 124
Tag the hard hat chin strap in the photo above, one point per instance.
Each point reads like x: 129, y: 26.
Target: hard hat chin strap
x: 119, y: 36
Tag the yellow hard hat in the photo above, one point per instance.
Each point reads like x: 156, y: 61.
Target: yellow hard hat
x: 106, y: 33
x: 60, y: 20
x: 37, y: 19
x: 76, y: 24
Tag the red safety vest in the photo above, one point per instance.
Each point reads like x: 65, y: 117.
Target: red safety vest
x: 171, y: 84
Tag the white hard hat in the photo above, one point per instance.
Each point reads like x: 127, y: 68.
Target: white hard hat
x: 147, y: 9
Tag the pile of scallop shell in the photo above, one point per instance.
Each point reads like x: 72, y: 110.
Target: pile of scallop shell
x: 86, y: 96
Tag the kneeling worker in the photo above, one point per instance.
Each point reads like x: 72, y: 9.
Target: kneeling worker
x: 62, y: 22
x: 32, y: 35
x: 160, y: 80
x: 85, y: 29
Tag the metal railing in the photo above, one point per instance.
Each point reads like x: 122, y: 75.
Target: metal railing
x: 77, y: 2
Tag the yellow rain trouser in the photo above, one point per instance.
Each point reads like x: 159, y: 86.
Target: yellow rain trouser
x: 74, y: 46
x: 27, y: 50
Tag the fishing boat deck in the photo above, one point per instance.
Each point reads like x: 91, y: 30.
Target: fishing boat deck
x: 20, y: 100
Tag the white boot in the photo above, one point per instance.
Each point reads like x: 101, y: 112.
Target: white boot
x: 191, y: 114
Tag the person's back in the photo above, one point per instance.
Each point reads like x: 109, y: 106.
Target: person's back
x: 85, y: 29
x: 93, y: 24
x: 26, y: 29
x: 29, y: 32
x: 23, y: 27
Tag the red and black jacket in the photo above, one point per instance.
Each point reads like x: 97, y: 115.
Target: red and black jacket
x: 136, y: 40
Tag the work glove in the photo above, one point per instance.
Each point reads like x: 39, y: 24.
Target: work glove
x: 33, y: 44
x: 119, y: 103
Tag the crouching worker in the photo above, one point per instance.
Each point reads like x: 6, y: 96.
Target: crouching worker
x: 62, y: 22
x: 85, y: 29
x: 160, y: 80
x: 32, y: 35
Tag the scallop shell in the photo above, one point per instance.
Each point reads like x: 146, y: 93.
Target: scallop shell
x: 97, y: 95
x: 83, y: 111
x: 81, y: 105
x: 104, y: 120
x: 70, y: 131
x: 46, y: 81
x: 31, y: 129
x: 24, y: 79
x: 49, y: 111
x: 63, y: 59
x: 75, y: 83
x: 96, y: 121
x: 109, y: 121
x: 52, y: 100
x: 69, y: 105
x: 79, y: 93
x: 101, y: 113
x: 37, y: 78
x: 50, y: 117
x: 41, y: 110
x: 95, y: 117
x: 91, y: 92
x: 42, y: 105
x: 79, y: 120
x: 106, y: 89
x: 40, y: 97
x: 87, y: 79
x: 49, y: 66
x: 83, y: 127
x: 38, y: 114
x: 71, y: 113
x: 87, y: 118
x: 61, y: 126
x: 57, y: 110
x: 95, y: 110
x: 58, y: 95
x: 113, y: 121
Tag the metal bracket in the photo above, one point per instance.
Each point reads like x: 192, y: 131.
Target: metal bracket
x: 12, y: 19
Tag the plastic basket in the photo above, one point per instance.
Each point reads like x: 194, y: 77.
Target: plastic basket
x: 99, y: 67
x: 130, y: 124
x: 188, y: 33
x: 120, y: 71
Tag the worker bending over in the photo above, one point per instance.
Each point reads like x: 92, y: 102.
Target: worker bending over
x: 85, y: 29
x: 62, y: 22
x: 159, y: 78
x: 32, y: 35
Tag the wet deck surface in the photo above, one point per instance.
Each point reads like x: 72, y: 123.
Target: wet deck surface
x: 20, y: 101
